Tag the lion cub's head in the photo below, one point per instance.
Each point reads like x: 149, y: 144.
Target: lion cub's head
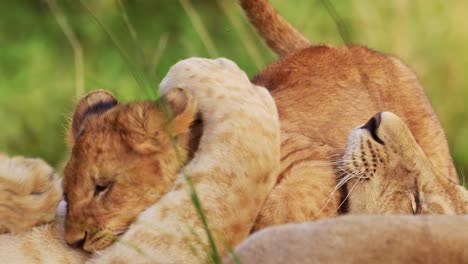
x: 124, y: 158
x: 388, y: 173
x: 29, y: 193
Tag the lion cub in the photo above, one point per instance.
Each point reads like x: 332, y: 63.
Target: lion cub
x: 125, y: 157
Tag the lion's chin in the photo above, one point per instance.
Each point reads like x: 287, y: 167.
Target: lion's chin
x: 99, y: 241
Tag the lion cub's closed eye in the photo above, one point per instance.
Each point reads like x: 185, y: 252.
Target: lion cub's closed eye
x: 388, y: 173
x: 29, y: 193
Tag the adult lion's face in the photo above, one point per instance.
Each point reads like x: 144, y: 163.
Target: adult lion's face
x: 122, y: 161
x: 388, y: 173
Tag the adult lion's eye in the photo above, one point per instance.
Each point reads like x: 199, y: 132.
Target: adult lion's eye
x: 100, y: 189
x: 414, y: 206
x: 416, y: 203
x: 37, y: 193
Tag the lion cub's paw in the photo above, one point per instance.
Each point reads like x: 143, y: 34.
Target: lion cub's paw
x: 29, y: 193
x: 196, y: 74
x: 217, y: 85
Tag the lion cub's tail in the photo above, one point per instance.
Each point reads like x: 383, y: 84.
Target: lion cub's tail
x: 280, y: 36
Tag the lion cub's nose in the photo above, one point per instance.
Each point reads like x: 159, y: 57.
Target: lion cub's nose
x: 372, y: 125
x: 75, y: 239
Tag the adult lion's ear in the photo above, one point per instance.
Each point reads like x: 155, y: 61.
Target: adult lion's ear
x: 94, y: 103
x: 183, y: 109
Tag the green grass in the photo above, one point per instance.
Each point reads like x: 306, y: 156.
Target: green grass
x: 37, y: 87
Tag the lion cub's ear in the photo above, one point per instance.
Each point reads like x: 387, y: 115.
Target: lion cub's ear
x: 147, y: 124
x: 94, y: 103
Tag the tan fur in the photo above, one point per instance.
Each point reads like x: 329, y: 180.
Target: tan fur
x: 310, y: 242
x: 281, y: 36
x: 396, y: 177
x: 29, y: 193
x: 122, y: 162
x: 233, y: 169
x: 232, y: 176
x: 361, y: 239
x: 322, y: 93
x: 41, y: 244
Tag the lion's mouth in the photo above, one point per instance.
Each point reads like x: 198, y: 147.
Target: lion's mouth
x: 100, y: 240
x: 372, y: 125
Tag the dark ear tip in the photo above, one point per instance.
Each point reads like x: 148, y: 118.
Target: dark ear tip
x: 95, y: 102
x: 99, y: 91
x: 97, y: 96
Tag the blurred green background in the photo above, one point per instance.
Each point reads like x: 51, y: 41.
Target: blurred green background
x: 38, y: 74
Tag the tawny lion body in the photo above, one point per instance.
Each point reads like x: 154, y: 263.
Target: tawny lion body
x: 124, y: 153
x: 40, y: 245
x: 386, y: 173
x: 361, y: 239
x: 29, y: 194
x: 321, y: 93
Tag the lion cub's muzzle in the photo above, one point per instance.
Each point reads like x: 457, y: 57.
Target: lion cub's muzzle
x: 75, y: 237
x: 89, y: 241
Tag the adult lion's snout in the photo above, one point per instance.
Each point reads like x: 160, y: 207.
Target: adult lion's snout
x: 372, y: 125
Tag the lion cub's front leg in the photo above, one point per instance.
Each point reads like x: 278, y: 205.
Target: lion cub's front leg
x: 233, y: 170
